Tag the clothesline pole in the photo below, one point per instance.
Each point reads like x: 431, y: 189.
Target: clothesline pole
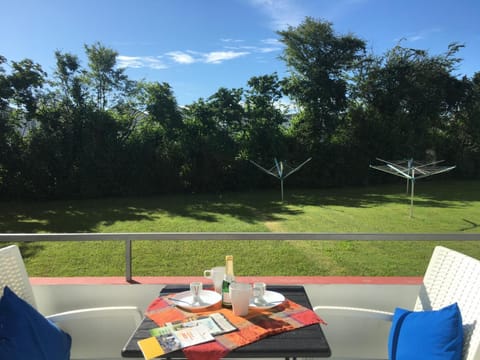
x: 411, y: 197
x: 281, y: 186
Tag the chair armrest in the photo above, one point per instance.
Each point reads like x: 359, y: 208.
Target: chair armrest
x: 112, y: 311
x: 358, y: 312
x: 98, y: 333
x: 356, y: 333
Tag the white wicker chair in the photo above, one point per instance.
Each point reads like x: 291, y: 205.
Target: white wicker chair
x: 94, y: 331
x: 450, y: 277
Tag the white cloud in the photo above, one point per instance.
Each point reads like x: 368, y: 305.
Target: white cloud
x: 271, y: 41
x: 283, y: 13
x: 136, y: 62
x: 129, y: 61
x: 154, y: 63
x: 272, y: 45
x: 187, y: 57
x: 232, y: 40
x: 268, y: 49
x: 181, y: 57
x: 424, y: 34
x: 217, y: 57
x: 415, y: 38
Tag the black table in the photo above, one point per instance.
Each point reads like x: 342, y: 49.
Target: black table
x: 308, y: 341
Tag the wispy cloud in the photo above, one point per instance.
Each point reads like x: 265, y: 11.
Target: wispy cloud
x: 283, y: 13
x: 181, y: 57
x: 271, y: 41
x: 152, y: 62
x: 267, y: 46
x: 420, y: 35
x: 217, y: 57
x: 232, y: 40
x: 186, y: 57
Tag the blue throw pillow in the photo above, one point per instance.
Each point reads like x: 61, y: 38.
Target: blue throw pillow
x: 435, y: 334
x: 27, y: 334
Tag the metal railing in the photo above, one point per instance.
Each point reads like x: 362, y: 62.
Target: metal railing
x: 193, y: 236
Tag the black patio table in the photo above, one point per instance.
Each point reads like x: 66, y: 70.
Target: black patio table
x: 308, y: 341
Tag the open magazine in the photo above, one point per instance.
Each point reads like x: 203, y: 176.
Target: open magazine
x: 183, y: 333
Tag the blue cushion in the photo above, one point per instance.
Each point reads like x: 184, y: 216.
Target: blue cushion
x: 27, y: 334
x: 436, y: 334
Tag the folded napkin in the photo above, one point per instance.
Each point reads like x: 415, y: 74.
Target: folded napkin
x: 253, y: 327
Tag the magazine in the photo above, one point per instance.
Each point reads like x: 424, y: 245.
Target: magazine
x: 183, y: 333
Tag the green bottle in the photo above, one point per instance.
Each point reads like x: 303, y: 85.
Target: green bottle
x: 229, y: 278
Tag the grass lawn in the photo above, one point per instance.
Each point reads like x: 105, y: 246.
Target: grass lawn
x: 440, y: 206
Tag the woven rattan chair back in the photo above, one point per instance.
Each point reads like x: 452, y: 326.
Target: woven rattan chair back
x: 454, y: 277
x: 14, y: 274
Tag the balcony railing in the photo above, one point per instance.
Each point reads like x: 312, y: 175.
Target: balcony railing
x: 128, y: 238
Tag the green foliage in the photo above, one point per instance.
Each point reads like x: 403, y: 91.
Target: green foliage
x: 319, y: 61
x: 93, y: 132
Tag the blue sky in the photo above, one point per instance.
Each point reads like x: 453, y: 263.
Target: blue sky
x: 198, y: 46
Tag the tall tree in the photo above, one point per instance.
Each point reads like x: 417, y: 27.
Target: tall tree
x: 27, y: 79
x: 109, y: 83
x: 319, y: 61
x: 463, y: 130
x: 227, y: 110
x: 410, y: 95
x: 162, y: 107
x: 69, y: 79
x: 5, y: 88
x: 264, y: 138
x: 20, y: 94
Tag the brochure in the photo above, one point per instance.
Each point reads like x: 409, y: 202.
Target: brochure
x: 183, y: 333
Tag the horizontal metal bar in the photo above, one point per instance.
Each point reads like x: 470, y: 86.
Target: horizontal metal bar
x: 162, y: 236
x: 25, y: 237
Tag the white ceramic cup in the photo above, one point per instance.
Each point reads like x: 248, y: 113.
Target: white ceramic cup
x: 216, y: 274
x: 240, y: 294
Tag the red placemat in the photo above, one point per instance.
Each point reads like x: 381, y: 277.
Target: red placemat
x: 253, y: 327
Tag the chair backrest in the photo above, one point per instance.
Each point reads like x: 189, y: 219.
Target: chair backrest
x: 454, y: 277
x: 14, y: 274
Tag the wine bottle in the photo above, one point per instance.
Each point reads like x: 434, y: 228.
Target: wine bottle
x: 228, y: 278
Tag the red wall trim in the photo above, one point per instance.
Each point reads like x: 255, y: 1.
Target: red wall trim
x: 281, y: 280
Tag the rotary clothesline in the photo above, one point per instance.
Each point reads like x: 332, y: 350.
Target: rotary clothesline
x: 412, y: 170
x: 281, y: 170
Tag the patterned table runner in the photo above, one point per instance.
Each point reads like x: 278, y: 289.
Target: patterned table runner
x: 257, y: 325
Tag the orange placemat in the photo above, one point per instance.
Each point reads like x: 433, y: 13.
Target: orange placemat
x: 253, y: 327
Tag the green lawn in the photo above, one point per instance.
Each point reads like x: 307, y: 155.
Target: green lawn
x: 440, y: 206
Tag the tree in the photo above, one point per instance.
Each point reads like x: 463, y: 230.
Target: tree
x: 26, y: 80
x: 5, y: 88
x: 69, y: 79
x: 463, y: 130
x: 227, y: 110
x: 319, y: 62
x: 162, y: 108
x: 263, y: 137
x: 410, y: 96
x: 209, y: 141
x: 20, y: 93
x: 109, y: 85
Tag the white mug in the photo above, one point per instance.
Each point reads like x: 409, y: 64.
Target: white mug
x: 216, y: 274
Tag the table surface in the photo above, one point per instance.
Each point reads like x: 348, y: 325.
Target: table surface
x: 308, y: 341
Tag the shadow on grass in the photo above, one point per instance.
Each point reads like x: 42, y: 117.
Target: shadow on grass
x: 30, y: 249
x: 441, y: 194
x: 251, y: 208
